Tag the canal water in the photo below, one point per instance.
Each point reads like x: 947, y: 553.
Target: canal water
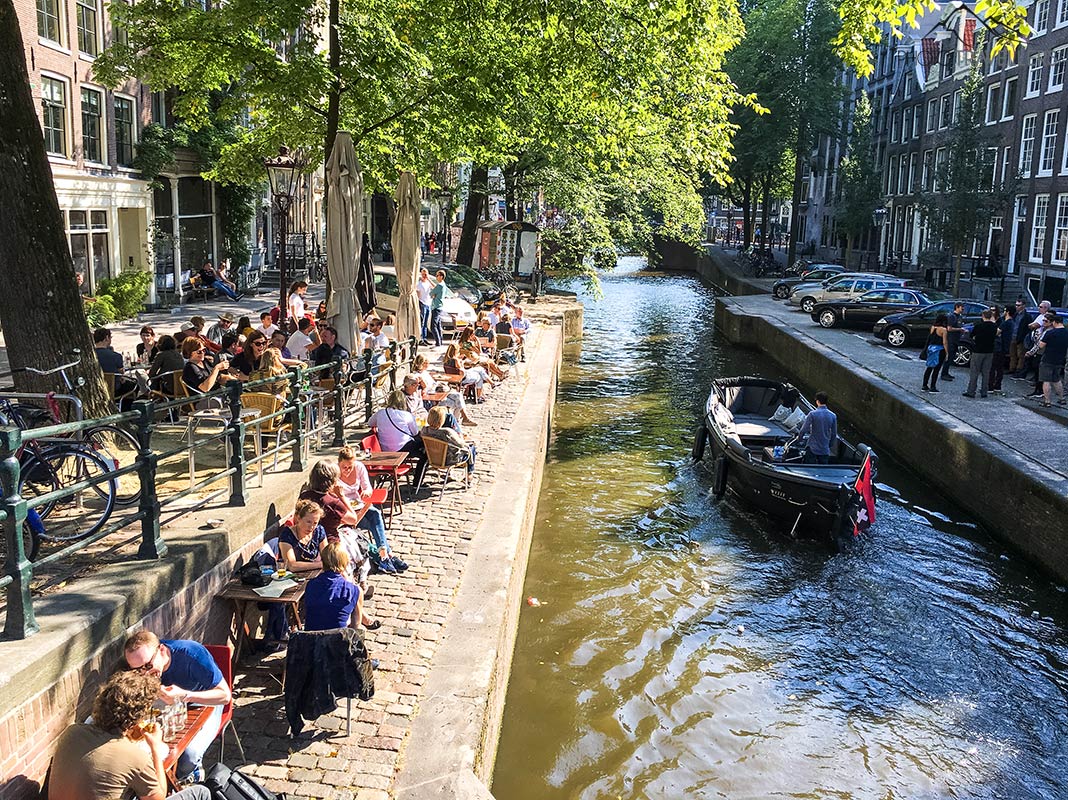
x: 685, y: 648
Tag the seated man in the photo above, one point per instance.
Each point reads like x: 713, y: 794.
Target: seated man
x: 520, y: 326
x: 110, y: 361
x: 221, y: 328
x: 304, y: 339
x: 329, y: 349
x: 187, y: 672
x: 210, y: 278
x: 118, y: 755
x: 267, y: 324
x: 488, y: 335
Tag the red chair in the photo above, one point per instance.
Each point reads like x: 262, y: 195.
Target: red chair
x: 370, y: 442
x: 222, y: 656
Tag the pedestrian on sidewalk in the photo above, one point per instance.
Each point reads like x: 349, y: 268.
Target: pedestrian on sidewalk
x: 1020, y: 329
x: 1002, y: 348
x: 984, y: 333
x: 422, y: 289
x: 935, y: 352
x: 437, y: 300
x: 1054, y: 348
x: 953, y: 332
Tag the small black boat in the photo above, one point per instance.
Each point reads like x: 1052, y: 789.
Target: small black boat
x: 758, y: 457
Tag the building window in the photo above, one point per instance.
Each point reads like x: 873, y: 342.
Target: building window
x: 87, y: 232
x: 917, y: 121
x: 932, y: 115
x: 124, y: 131
x: 989, y: 166
x: 913, y: 158
x: 945, y: 112
x: 906, y: 124
x: 1034, y: 75
x: 1062, y: 13
x: 956, y: 106
x: 1060, y: 231
x: 949, y: 63
x: 88, y: 38
x: 993, y: 102
x: 1038, y: 227
x: 118, y: 32
x: 1041, y: 17
x: 891, y: 173
x: 1049, y: 141
x: 940, y: 162
x: 895, y: 126
x: 928, y: 169
x: 91, y: 127
x: 1006, y: 157
x: 159, y: 108
x: 50, y: 20
x: 1058, y: 60
x: 902, y: 175
x: 1027, y: 145
x: 1008, y: 102
x: 54, y: 106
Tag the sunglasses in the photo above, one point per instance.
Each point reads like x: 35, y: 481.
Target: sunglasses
x: 148, y: 664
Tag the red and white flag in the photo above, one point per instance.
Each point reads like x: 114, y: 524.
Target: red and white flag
x: 866, y: 511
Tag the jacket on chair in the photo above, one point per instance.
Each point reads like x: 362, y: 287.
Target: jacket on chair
x: 322, y: 666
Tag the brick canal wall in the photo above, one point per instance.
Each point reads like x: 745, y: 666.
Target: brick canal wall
x: 1002, y: 486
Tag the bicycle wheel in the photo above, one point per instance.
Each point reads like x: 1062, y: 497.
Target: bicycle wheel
x: 118, y: 448
x: 80, y: 514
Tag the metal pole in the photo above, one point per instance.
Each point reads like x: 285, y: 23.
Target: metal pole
x: 238, y: 489
x: 20, y: 621
x: 283, y: 260
x: 339, y: 407
x: 152, y: 544
x: 296, y: 421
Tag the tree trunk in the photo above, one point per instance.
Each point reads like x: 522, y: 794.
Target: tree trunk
x: 476, y: 199
x: 38, y: 271
x: 795, y: 198
x: 747, y: 212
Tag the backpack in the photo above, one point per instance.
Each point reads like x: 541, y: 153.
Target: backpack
x: 232, y: 784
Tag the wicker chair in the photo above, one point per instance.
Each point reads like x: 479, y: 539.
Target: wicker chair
x: 437, y: 454
x: 267, y: 404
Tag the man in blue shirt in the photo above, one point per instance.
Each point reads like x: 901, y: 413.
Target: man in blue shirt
x: 437, y: 300
x: 821, y: 425
x: 187, y: 673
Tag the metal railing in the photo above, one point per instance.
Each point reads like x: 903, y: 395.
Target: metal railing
x: 359, y: 385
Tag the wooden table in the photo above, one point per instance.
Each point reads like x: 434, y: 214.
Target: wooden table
x: 195, y: 720
x: 241, y: 595
x: 388, y: 462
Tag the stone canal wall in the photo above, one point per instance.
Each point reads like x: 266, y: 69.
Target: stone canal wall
x: 1001, y: 485
x: 712, y: 264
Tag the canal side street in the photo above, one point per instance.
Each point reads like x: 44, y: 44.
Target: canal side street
x: 999, y: 457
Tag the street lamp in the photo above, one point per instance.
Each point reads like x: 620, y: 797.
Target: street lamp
x: 282, y: 172
x: 878, y: 216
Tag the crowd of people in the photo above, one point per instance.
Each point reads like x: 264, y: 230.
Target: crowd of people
x: 1007, y: 340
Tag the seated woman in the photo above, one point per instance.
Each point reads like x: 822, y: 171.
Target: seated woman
x: 454, y: 401
x: 300, y: 545
x: 271, y: 366
x: 168, y: 359
x: 355, y: 484
x: 251, y: 355
x: 339, y: 516
x: 462, y: 452
x: 471, y: 354
x: 331, y: 599
x: 197, y: 376
x: 398, y: 432
x: 472, y: 376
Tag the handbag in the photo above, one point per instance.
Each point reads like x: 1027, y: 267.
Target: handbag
x: 232, y: 784
x: 933, y: 352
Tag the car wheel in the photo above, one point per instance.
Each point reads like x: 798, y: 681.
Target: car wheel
x: 782, y: 292
x: 897, y: 336
x: 828, y: 319
x: 807, y: 304
x: 964, y: 355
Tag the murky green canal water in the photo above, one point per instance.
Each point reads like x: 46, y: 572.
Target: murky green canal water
x: 686, y: 649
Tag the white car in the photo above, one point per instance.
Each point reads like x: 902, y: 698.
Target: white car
x: 841, y: 288
x: 455, y: 311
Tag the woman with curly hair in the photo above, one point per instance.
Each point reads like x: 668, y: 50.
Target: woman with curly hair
x: 121, y: 752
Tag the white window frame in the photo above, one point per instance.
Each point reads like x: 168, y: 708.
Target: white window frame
x: 891, y: 174
x: 993, y: 110
x: 1060, y: 230
x: 1038, y: 231
x: 1051, y: 121
x: 115, y: 98
x: 1034, y: 74
x: 1006, y: 112
x: 1058, y: 63
x: 102, y: 133
x: 939, y: 160
x: 1006, y: 158
x: 1041, y: 24
x: 61, y: 26
x: 1027, y: 144
x: 945, y: 105
x: 958, y: 97
x: 932, y: 114
x: 928, y: 169
x: 68, y: 116
x: 917, y: 120
x: 913, y: 158
x: 98, y: 37
x: 1062, y: 15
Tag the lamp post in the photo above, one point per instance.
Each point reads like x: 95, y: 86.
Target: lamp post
x: 282, y: 172
x: 878, y: 219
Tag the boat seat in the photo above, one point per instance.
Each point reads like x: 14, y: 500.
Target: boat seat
x: 753, y: 426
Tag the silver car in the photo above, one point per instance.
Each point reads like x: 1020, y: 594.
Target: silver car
x: 844, y: 287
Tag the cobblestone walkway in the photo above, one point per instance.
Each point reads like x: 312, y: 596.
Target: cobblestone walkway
x: 433, y: 535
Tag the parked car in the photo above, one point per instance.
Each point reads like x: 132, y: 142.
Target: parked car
x: 816, y: 272
x: 844, y: 287
x: 911, y: 327
x: 455, y: 311
x: 470, y: 285
x: 864, y: 311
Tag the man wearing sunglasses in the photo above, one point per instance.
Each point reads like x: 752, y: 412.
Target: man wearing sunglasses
x: 187, y: 673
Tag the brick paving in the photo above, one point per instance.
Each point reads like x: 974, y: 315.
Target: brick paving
x: 433, y: 535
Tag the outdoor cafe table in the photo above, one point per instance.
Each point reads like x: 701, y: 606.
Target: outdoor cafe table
x: 241, y: 595
x: 195, y: 720
x: 387, y: 461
